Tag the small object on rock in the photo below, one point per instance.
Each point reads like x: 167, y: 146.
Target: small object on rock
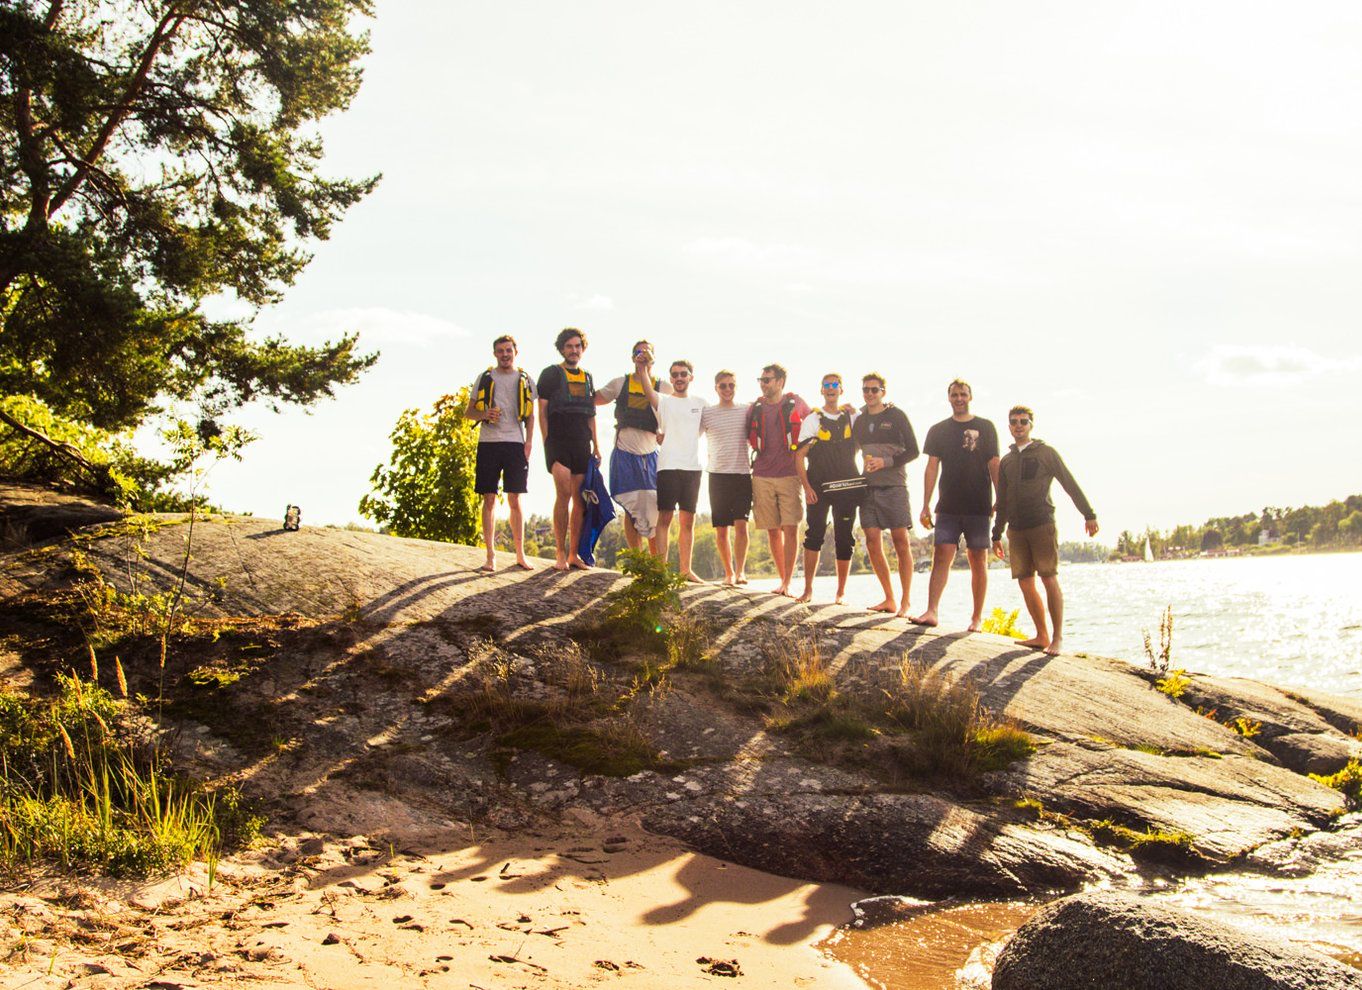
x: 606, y: 964
x: 402, y: 919
x: 293, y: 518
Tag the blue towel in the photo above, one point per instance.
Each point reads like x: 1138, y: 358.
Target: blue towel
x: 599, y: 511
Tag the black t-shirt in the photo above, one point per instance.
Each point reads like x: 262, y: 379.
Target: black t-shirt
x: 964, y: 450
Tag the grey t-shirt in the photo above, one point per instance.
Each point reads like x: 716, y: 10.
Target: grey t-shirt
x: 506, y: 397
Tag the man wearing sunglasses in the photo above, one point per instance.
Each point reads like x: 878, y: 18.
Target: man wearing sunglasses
x: 772, y: 431
x: 887, y: 446
x: 678, y: 462
x: 826, y: 465
x: 1025, y: 508
x: 724, y: 425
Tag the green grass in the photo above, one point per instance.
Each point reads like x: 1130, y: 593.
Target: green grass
x: 79, y: 788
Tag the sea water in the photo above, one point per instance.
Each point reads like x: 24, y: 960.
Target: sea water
x: 1289, y: 620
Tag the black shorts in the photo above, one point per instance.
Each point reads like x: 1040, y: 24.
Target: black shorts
x: 730, y: 498
x: 498, y: 460
x: 678, y: 490
x: 569, y: 444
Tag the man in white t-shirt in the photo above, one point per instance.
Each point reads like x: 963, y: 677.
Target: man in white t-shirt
x: 678, y: 463
x: 502, y: 402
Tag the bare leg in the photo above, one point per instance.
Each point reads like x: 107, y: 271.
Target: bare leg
x: 843, y: 570
x: 578, y: 520
x: 740, y: 539
x: 776, y: 539
x: 725, y: 554
x: 685, y: 540
x: 874, y: 547
x: 903, y: 549
x: 662, y: 535
x: 562, y: 501
x: 978, y: 586
x: 1036, y: 608
x: 489, y: 533
x: 810, y: 569
x: 631, y: 534
x: 787, y: 563
x: 943, y: 555
x: 518, y: 529
x: 1054, y: 597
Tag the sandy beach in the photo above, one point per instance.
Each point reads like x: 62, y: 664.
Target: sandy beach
x: 580, y: 904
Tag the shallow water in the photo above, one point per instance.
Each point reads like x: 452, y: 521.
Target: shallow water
x: 1294, y: 621
x: 1289, y: 620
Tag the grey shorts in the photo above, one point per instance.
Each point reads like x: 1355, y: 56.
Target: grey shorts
x: 886, y: 507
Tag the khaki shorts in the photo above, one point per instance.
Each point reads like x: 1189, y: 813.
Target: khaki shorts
x: 1033, y: 551
x: 776, y: 502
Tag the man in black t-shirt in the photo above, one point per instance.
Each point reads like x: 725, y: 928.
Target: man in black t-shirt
x: 963, y: 450
x: 567, y: 424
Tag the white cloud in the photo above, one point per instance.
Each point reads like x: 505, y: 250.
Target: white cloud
x: 1269, y: 365
x: 598, y: 302
x: 376, y: 325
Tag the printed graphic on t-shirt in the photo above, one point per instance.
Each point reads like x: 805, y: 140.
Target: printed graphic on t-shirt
x: 971, y: 439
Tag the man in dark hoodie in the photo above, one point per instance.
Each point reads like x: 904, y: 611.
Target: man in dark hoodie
x: 1025, y: 508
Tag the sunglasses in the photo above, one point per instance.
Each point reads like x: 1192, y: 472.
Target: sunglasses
x: 765, y: 380
x: 680, y: 374
x: 1019, y: 422
x: 837, y: 385
x: 871, y: 389
x: 727, y: 385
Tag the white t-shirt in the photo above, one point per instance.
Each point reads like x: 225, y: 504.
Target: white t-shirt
x: 506, y: 397
x: 678, y: 420
x: 726, y: 437
x: 629, y: 439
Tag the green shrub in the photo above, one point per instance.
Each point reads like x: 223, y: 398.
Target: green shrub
x: 1348, y: 781
x: 1175, y: 684
x: 1002, y: 623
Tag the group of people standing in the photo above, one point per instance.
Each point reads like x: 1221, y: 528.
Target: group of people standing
x: 778, y: 462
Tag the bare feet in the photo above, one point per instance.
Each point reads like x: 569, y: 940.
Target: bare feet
x: 784, y: 589
x: 1036, y: 643
x: 927, y: 618
x: 840, y: 600
x: 490, y: 567
x: 888, y: 605
x: 975, y: 626
x: 561, y: 564
x: 902, y: 613
x: 728, y: 580
x: 578, y: 564
x: 693, y: 578
x: 524, y: 564
x: 806, y: 597
x: 1056, y: 646
x: 740, y: 579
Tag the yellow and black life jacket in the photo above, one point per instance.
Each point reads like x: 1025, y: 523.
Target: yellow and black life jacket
x: 483, y: 398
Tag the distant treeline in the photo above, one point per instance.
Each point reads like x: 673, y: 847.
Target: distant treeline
x: 1335, y: 526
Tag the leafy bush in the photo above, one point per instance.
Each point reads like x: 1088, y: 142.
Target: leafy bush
x: 1348, y: 781
x: 1002, y: 623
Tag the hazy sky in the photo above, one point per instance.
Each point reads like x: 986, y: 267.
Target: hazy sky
x: 1145, y: 221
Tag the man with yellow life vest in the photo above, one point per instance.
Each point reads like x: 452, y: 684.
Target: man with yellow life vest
x: 502, y: 403
x: 633, y: 462
x: 772, y: 430
x: 825, y: 462
x: 567, y: 424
